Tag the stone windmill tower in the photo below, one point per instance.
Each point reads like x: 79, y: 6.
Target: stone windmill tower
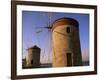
x: 66, y: 43
x: 33, y: 58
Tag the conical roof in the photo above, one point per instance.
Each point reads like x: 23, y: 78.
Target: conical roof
x: 64, y: 21
x: 34, y: 47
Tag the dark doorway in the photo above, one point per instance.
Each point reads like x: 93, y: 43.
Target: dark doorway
x: 69, y: 59
x: 31, y: 61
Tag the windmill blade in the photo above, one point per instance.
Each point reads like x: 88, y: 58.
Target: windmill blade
x: 39, y: 31
x: 39, y: 27
x: 49, y: 46
x: 60, y: 33
x: 42, y: 27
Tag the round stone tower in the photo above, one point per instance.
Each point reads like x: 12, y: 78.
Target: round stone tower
x: 66, y: 43
x: 33, y: 57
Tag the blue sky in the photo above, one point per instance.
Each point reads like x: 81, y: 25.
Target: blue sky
x: 32, y: 20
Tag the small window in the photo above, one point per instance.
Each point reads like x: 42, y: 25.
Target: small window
x: 68, y: 29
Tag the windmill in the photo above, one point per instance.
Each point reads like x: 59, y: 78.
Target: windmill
x: 66, y: 43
